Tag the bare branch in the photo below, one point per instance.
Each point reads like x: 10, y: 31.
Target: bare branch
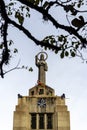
x: 14, y: 68
x: 67, y: 1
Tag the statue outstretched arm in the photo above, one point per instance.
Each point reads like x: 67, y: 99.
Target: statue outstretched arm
x: 46, y: 67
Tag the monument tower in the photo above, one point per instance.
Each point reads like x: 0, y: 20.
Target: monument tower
x: 41, y: 109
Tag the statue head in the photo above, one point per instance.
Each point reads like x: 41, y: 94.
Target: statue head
x: 41, y: 57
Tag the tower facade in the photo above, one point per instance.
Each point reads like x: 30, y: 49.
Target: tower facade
x: 41, y: 109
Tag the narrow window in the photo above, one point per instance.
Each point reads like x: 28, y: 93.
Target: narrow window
x: 41, y: 121
x: 32, y: 93
x: 49, y: 121
x: 41, y: 91
x: 50, y: 93
x: 33, y: 121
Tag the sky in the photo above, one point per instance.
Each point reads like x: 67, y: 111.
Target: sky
x: 64, y: 76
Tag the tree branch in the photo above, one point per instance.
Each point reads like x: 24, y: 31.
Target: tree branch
x: 28, y: 34
x: 69, y: 29
x: 5, y: 52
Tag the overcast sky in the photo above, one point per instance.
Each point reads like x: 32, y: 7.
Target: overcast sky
x: 64, y: 75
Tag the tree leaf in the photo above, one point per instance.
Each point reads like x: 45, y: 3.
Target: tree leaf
x: 1, y: 46
x: 31, y: 69
x: 12, y: 3
x: 37, y: 2
x: 73, y: 54
x: 78, y: 22
x: 46, y: 4
x: 66, y: 53
x: 60, y: 38
x: 15, y: 50
x: 21, y: 19
x: 62, y: 54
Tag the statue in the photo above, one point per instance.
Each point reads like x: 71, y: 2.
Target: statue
x: 42, y: 66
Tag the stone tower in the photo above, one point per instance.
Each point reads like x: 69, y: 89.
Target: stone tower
x: 41, y: 109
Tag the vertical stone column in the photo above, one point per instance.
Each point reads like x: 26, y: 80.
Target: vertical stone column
x: 37, y: 122
x: 29, y: 121
x: 45, y: 121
